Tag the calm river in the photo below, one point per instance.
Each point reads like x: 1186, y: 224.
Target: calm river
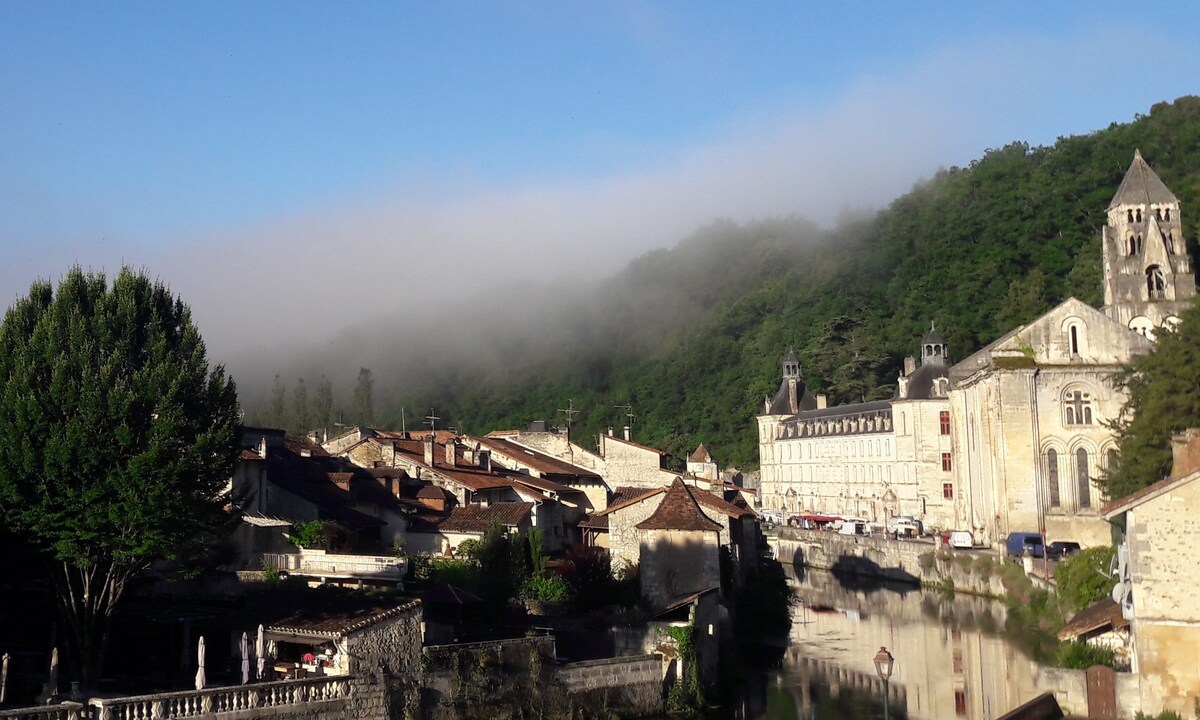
x: 949, y: 660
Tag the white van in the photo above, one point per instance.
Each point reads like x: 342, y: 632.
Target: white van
x: 853, y: 526
x: 962, y: 540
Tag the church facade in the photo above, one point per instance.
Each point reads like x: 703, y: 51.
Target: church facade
x: 1013, y: 437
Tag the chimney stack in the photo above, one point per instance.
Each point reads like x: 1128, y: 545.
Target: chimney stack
x: 262, y: 448
x: 1185, y: 452
x: 625, y: 431
x: 387, y: 449
x: 910, y: 365
x: 428, y: 448
x: 822, y: 401
x: 451, y: 452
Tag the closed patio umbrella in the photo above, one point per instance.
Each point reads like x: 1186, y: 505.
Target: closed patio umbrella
x: 245, y: 647
x: 260, y: 652
x: 200, y: 665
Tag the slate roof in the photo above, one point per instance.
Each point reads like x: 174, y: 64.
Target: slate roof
x: 679, y: 511
x: 1142, y: 186
x: 781, y: 404
x: 933, y: 337
x: 920, y: 381
x: 477, y: 518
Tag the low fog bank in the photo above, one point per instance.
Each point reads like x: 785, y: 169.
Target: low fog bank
x: 527, y: 335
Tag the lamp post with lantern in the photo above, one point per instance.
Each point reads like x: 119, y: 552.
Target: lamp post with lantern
x: 883, y: 668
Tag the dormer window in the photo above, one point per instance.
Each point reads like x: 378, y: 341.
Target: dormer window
x: 1077, y: 408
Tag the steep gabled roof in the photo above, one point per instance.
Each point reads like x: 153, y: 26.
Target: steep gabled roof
x: 701, y: 455
x: 679, y: 511
x: 1141, y: 186
x: 1147, y: 493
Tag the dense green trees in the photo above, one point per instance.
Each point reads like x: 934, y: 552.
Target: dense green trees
x: 1164, y: 399
x: 116, y: 440
x: 692, y: 337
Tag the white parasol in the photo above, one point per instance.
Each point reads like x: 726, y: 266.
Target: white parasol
x: 260, y: 651
x: 245, y: 647
x: 200, y: 665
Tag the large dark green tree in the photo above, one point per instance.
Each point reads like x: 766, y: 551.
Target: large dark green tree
x: 1164, y: 399
x: 116, y: 440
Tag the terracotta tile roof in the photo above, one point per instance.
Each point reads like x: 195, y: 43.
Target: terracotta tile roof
x: 431, y: 492
x: 679, y: 511
x: 477, y: 518
x: 539, y: 461
x: 1105, y: 613
x: 700, y: 455
x: 719, y: 505
x: 630, y: 496
x: 323, y: 621
x: 250, y: 455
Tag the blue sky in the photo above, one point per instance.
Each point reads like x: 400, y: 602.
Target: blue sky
x: 248, y: 153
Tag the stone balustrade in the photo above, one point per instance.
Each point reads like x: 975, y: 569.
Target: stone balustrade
x: 321, y: 563
x: 285, y: 697
x: 63, y: 711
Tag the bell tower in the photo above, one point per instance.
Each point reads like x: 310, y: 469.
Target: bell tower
x: 1148, y: 278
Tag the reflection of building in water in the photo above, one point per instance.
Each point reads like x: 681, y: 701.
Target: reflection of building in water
x: 940, y: 671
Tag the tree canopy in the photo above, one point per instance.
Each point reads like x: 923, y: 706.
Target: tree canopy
x: 116, y: 439
x: 1164, y: 399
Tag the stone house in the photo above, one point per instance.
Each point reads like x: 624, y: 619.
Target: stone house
x: 440, y: 534
x: 679, y: 549
x: 629, y: 464
x: 467, y: 475
x: 281, y: 478
x: 1158, y: 575
x: 537, y: 464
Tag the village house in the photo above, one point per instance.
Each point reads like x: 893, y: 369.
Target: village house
x: 1157, y: 579
x: 281, y: 480
x: 462, y: 475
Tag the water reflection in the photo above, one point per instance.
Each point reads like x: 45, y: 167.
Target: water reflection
x: 950, y: 662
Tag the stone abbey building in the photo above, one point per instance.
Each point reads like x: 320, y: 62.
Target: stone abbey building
x: 1011, y: 438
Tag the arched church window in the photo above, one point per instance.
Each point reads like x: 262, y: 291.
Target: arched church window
x: 1052, y: 478
x: 1132, y: 245
x: 1129, y: 215
x: 1137, y: 245
x: 1156, y: 284
x: 1074, y: 333
x: 1077, y: 408
x: 1167, y: 214
x: 1139, y: 215
x: 1083, y: 483
x: 1158, y: 213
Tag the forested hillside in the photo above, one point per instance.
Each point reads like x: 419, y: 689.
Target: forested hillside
x: 692, y: 337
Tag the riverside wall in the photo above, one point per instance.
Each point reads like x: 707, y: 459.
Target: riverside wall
x: 915, y: 562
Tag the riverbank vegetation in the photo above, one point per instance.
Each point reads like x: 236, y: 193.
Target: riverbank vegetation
x: 1036, y: 612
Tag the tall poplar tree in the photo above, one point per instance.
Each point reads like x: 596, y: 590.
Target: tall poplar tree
x: 301, y: 414
x: 116, y: 441
x: 364, y: 398
x: 323, y: 404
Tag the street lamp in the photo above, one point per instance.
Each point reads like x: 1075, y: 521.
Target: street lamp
x: 883, y: 668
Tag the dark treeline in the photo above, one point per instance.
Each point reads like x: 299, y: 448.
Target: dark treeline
x: 692, y: 337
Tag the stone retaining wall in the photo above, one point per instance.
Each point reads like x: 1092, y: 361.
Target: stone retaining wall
x: 911, y: 561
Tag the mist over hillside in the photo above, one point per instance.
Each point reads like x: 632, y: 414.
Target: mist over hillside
x: 692, y: 337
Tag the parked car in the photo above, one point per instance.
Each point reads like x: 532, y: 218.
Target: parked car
x: 906, y: 525
x: 1018, y: 542
x: 1060, y: 549
x: 853, y: 526
x: 961, y: 539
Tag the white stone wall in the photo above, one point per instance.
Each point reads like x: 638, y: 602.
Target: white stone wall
x: 1163, y: 534
x: 624, y: 545
x: 629, y: 465
x: 919, y: 477
x: 840, y: 474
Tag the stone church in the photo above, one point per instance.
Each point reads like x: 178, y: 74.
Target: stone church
x: 1011, y: 438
